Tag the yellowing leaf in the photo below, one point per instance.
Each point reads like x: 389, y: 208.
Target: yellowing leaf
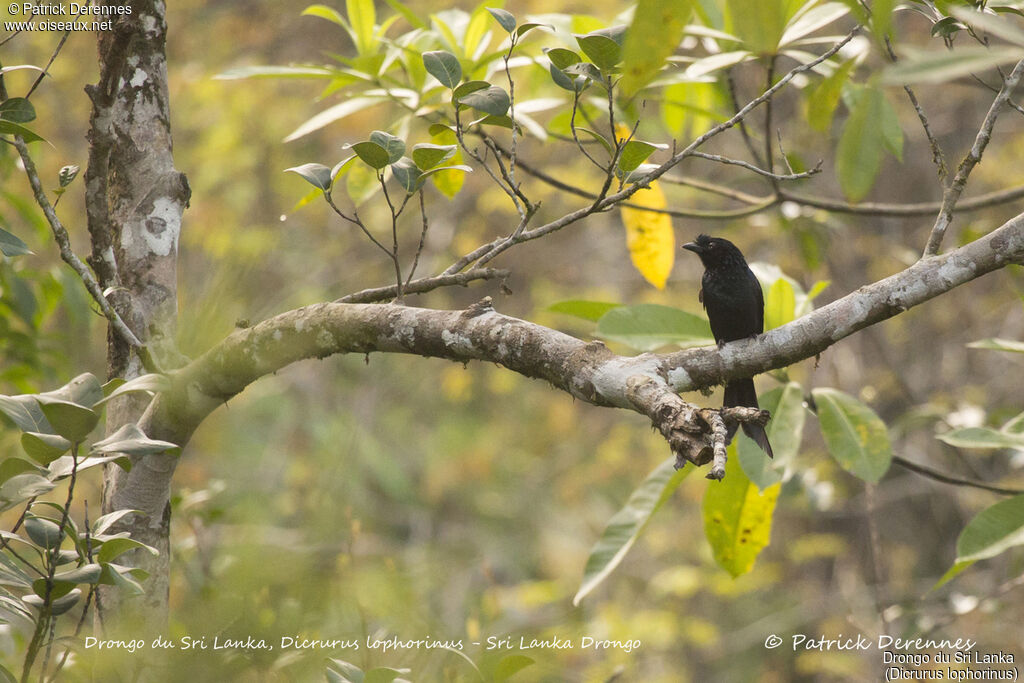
x: 649, y: 236
x: 449, y: 182
x: 738, y: 518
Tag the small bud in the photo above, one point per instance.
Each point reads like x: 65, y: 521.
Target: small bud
x: 67, y: 175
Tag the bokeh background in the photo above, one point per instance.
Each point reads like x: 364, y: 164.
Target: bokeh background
x: 398, y: 496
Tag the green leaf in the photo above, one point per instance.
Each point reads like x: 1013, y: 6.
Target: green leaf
x: 602, y: 47
x: 449, y: 182
x: 443, y: 171
x: 982, y: 437
x: 427, y: 155
x: 856, y: 437
x: 330, y: 14
x: 130, y: 440
x: 635, y: 153
x: 58, y: 606
x: 394, y: 146
x: 407, y: 174
x: 945, y: 28
x: 628, y: 523
x: 124, y: 578
x: 63, y: 466
x: 17, y: 109
x: 317, y: 175
x: 115, y: 547
x: 372, y: 154
x: 818, y: 17
x: 361, y: 182
x: 85, y: 390
x: 1014, y: 426
x: 407, y: 14
x: 19, y: 67
x: 151, y: 383
x: 344, y: 672
x: 947, y: 65
x: 506, y: 19
x: 785, y: 431
x: 21, y: 487
x: 998, y: 345
x: 11, y: 466
x: 738, y: 518
x: 492, y: 100
x: 509, y: 665
x: 561, y: 57
x: 103, y: 524
x: 602, y: 140
x: 950, y: 574
x: 44, y: 532
x: 10, y: 245
x: 759, y: 24
x: 362, y: 17
x: 44, y: 448
x: 529, y: 26
x: 586, y: 70
x: 87, y: 574
x: 468, y: 87
x: 444, y: 66
x: 993, y: 531
x: 654, y: 35
x: 335, y: 113
x: 12, y: 128
x: 259, y: 71
x: 859, y: 155
x: 503, y: 121
x: 999, y: 27
x: 70, y: 420
x: 587, y: 310
x: 646, y: 327
x: 892, y: 133
x: 384, y: 674
x: 823, y: 100
x: 881, y: 18
x: 779, y: 304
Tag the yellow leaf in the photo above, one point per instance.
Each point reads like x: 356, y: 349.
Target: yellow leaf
x: 649, y: 236
x: 738, y: 518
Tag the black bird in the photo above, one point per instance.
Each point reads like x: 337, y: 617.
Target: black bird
x: 733, y: 300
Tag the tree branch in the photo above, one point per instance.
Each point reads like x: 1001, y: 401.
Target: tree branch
x: 949, y: 479
x: 963, y: 172
x: 590, y: 372
x: 60, y: 236
x: 423, y: 285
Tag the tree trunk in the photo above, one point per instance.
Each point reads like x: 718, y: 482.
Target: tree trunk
x: 135, y: 199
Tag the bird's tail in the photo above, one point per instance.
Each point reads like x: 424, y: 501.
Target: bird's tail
x: 741, y: 392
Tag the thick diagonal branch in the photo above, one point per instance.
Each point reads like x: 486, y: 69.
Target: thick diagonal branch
x: 587, y: 371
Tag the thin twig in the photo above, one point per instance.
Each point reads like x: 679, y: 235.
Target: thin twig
x: 963, y: 172
x: 423, y: 285
x: 921, y: 209
x: 605, y: 201
x: 950, y: 479
x: 423, y: 239
x: 759, y: 171
x: 356, y: 221
x: 937, y: 156
x: 769, y: 155
x: 60, y: 235
x: 734, y: 97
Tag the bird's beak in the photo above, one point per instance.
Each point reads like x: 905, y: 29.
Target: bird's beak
x: 694, y: 247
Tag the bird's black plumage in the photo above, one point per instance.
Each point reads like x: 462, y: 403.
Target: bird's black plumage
x: 734, y: 303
